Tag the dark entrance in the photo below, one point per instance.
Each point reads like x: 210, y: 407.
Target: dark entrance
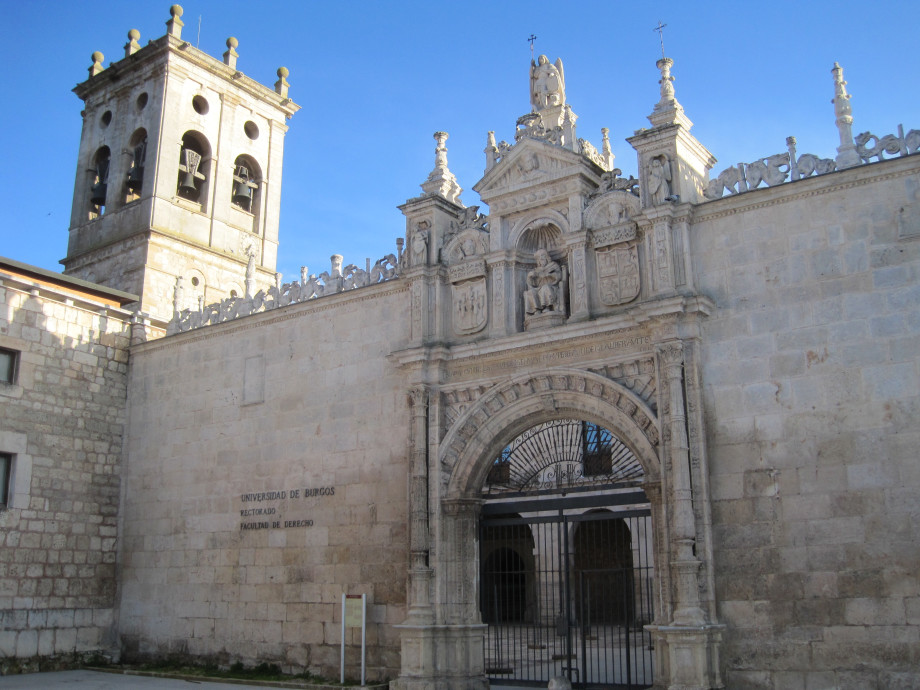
x: 566, y: 562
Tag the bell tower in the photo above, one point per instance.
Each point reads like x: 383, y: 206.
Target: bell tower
x: 178, y: 173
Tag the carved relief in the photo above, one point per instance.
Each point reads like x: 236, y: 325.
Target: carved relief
x: 490, y: 401
x: 469, y: 307
x: 638, y: 376
x: 618, y: 273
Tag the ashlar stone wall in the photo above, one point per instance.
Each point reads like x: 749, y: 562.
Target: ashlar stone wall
x: 811, y: 366
x: 266, y: 470
x: 62, y: 420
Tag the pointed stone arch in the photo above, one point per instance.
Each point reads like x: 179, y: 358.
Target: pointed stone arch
x: 512, y: 407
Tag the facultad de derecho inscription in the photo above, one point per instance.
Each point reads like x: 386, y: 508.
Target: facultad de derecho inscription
x: 633, y: 343
x: 271, y: 514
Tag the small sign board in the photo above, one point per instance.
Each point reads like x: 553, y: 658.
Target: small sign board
x: 354, y: 615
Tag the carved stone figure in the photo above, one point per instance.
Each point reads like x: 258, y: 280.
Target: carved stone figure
x: 420, y: 245
x: 544, y: 279
x: 659, y: 180
x: 547, y: 83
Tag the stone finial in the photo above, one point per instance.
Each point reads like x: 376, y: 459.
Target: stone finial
x: 491, y: 151
x: 606, y: 151
x: 97, y: 67
x: 666, y: 82
x: 231, y: 55
x: 132, y: 46
x: 178, y: 294
x: 282, y: 86
x: 175, y: 23
x: 441, y: 181
x: 846, y: 152
x: 667, y: 110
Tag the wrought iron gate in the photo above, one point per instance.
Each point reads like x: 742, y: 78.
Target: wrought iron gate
x: 565, y: 589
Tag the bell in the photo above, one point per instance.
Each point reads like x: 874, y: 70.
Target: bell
x: 187, y: 186
x: 97, y: 193
x: 242, y: 194
x: 135, y: 179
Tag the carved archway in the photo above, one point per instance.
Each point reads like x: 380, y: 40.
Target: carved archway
x: 466, y: 455
x: 508, y: 409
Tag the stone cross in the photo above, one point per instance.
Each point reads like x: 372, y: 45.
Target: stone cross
x: 660, y: 30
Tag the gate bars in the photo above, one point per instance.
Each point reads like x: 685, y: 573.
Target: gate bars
x: 567, y: 592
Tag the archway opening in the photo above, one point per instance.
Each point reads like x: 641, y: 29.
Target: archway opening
x: 566, y: 564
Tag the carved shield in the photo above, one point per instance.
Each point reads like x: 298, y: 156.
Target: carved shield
x: 618, y: 271
x: 469, y: 308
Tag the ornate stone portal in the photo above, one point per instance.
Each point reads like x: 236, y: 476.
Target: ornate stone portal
x: 574, y: 254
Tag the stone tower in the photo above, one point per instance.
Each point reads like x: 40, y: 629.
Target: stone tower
x: 178, y: 175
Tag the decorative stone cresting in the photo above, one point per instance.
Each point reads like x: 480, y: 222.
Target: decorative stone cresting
x: 310, y: 287
x: 783, y: 167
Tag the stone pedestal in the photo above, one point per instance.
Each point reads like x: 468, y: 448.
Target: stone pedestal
x: 441, y: 657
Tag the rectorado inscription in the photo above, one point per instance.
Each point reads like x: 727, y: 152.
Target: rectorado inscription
x: 279, y: 500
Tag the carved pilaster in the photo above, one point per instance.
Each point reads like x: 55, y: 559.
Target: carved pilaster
x: 579, y: 290
x: 685, y: 563
x: 419, y: 572
x: 661, y: 253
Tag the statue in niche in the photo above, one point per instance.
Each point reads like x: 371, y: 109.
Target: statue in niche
x: 420, y: 244
x: 543, y: 282
x: 659, y: 180
x: 547, y: 83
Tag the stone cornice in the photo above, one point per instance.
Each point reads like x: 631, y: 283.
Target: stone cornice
x: 563, y: 336
x: 170, y: 48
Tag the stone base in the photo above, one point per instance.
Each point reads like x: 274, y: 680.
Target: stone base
x: 688, y: 656
x: 546, y: 319
x: 441, y: 657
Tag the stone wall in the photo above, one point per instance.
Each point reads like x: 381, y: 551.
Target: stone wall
x: 62, y: 420
x: 811, y: 396
x: 222, y: 560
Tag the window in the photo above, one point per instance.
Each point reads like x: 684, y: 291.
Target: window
x: 6, y: 464
x: 8, y: 361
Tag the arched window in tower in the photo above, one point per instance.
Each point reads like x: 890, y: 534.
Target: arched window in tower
x: 99, y: 187
x: 247, y: 187
x: 137, y: 148
x: 194, y: 166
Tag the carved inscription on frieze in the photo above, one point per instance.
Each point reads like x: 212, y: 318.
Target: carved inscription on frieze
x: 627, y: 343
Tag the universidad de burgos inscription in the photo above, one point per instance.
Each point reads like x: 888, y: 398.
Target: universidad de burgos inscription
x: 268, y: 507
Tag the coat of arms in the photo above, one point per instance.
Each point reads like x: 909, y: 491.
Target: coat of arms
x: 618, y: 271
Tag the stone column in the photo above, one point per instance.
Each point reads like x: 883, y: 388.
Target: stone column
x: 419, y: 571
x: 683, y: 536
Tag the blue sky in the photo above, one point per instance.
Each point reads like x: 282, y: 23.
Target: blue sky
x: 376, y: 79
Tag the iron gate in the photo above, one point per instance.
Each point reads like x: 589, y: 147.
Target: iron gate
x: 565, y: 589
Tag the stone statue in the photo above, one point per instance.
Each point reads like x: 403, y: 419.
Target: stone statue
x: 543, y: 282
x: 659, y: 180
x: 547, y: 83
x: 420, y: 245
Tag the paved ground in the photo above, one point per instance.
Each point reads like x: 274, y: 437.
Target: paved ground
x: 94, y: 680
